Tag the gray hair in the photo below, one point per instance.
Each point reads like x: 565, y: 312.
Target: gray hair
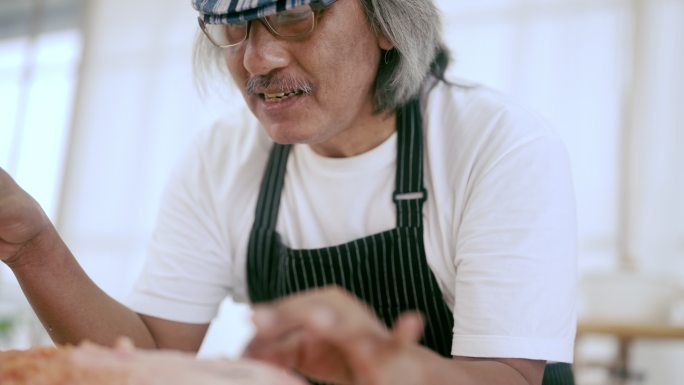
x: 413, y: 27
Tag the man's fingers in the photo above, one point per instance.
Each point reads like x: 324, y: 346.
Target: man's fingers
x: 283, y: 350
x: 317, y: 310
x: 329, y: 334
x: 408, y: 328
x: 274, y: 320
x: 124, y: 344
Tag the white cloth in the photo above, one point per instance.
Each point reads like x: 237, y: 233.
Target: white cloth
x: 499, y: 221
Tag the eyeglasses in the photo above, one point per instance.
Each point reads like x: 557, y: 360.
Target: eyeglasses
x: 293, y: 23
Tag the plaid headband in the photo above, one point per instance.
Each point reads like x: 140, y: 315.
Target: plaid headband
x: 231, y: 11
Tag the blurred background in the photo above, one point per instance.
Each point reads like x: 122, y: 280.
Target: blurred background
x: 97, y: 103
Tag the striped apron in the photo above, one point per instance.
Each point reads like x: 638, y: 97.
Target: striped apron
x: 387, y: 270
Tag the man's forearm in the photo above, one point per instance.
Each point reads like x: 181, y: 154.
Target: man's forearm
x: 418, y: 365
x: 68, y: 303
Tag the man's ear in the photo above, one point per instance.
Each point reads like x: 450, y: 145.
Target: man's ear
x: 384, y: 43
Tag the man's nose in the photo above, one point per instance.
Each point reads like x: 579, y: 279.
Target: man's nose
x: 263, y: 51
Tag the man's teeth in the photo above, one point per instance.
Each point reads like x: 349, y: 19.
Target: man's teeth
x: 281, y: 95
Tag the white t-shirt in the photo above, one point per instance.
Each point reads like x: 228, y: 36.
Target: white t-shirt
x: 499, y: 221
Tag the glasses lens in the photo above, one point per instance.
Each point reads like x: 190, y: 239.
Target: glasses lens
x: 226, y: 34
x: 294, y: 22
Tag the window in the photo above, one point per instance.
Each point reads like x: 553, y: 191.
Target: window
x: 40, y: 48
x: 40, y: 45
x: 606, y: 74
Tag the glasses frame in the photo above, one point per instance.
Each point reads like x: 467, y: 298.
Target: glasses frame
x: 316, y: 8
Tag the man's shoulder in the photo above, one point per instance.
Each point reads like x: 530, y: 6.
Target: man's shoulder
x: 232, y: 144
x: 235, y: 126
x: 471, y: 109
x: 236, y: 133
x: 473, y: 100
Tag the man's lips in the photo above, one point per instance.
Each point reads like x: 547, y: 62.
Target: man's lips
x: 274, y: 88
x: 280, y: 96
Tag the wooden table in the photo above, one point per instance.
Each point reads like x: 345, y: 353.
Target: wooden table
x: 626, y: 333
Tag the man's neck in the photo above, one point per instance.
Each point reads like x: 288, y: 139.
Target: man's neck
x: 359, y: 139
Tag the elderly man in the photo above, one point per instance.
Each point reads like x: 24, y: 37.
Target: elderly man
x: 389, y: 225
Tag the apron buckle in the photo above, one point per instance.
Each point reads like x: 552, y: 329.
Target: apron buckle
x: 410, y: 196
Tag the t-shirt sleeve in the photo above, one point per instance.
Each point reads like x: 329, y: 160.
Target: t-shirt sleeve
x: 515, y: 258
x: 187, y: 271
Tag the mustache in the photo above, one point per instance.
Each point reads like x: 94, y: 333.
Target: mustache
x: 258, y: 84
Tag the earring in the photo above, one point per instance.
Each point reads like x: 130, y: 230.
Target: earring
x: 387, y: 58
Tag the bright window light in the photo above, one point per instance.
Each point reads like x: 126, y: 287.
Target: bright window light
x: 38, y: 80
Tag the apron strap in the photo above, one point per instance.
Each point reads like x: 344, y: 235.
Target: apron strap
x: 268, y: 202
x: 410, y: 193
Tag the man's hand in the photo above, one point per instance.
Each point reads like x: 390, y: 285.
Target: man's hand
x: 21, y: 220
x: 68, y: 303
x: 330, y: 336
